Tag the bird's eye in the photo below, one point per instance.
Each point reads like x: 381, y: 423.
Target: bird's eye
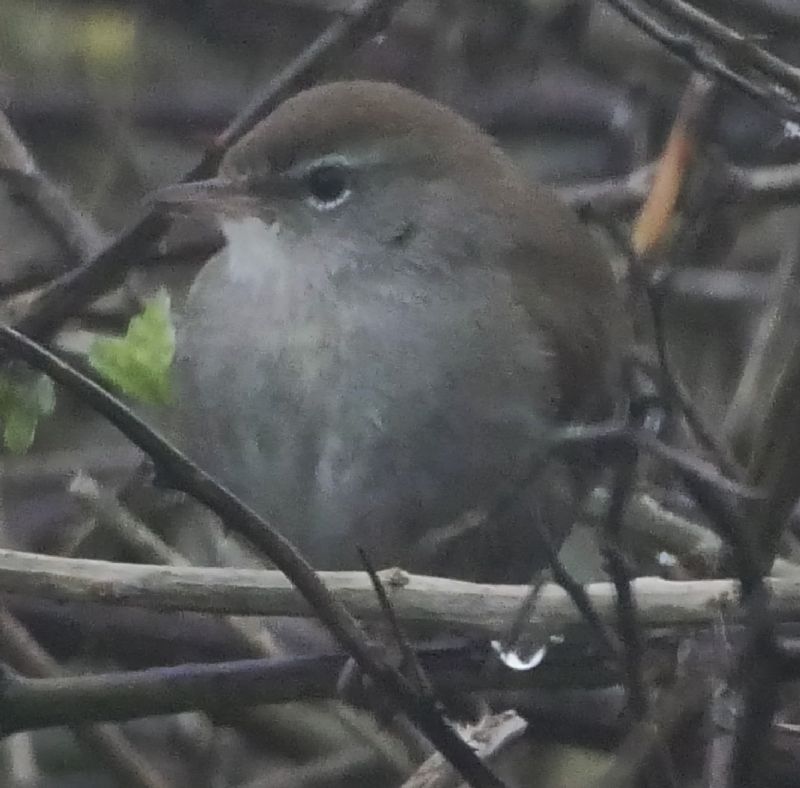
x: 328, y: 186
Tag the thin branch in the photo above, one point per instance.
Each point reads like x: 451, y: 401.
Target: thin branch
x: 758, y: 677
x: 401, y: 640
x: 77, y: 233
x: 740, y: 49
x: 614, y: 436
x: 767, y: 334
x: 626, y: 602
x: 612, y: 196
x: 491, y: 736
x: 699, y: 57
x: 577, y: 593
x: 346, y: 32
x: 616, y: 566
x: 674, y: 392
x: 752, y: 188
x: 774, y: 453
x: 775, y: 185
x: 104, y: 507
x: 652, y: 528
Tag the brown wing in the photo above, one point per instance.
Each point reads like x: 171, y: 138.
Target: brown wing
x: 570, y: 291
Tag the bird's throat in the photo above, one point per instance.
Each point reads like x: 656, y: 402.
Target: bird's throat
x: 255, y: 250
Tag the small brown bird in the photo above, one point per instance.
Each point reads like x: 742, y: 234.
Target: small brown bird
x: 399, y: 321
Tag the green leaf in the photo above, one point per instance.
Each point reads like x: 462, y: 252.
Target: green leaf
x: 44, y: 393
x: 24, y: 398
x: 19, y: 429
x: 138, y: 364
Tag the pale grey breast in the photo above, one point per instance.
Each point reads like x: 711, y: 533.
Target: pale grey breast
x: 359, y: 416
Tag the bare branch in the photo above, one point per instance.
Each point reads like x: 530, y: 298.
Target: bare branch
x: 741, y: 50
x: 489, y: 737
x: 33, y: 703
x: 754, y: 188
x: 421, y: 603
x: 76, y: 232
x: 775, y: 98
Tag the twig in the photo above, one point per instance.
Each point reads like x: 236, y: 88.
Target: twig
x: 747, y: 289
x: 723, y: 707
x: 740, y: 49
x: 756, y: 681
x: 351, y: 765
x: 105, y: 507
x: 618, y: 572
x: 492, y: 735
x: 767, y: 332
x: 618, y: 437
x: 410, y: 660
x: 699, y: 471
x: 610, y: 196
x: 758, y: 676
x: 750, y: 187
x: 686, y: 48
x: 77, y: 234
x: 347, y: 31
x: 240, y: 518
x: 673, y: 391
x: 218, y: 687
x: 653, y: 527
x: 577, y: 593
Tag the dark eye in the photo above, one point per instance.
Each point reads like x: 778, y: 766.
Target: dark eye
x: 328, y: 185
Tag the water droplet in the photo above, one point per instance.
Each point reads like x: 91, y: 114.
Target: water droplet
x: 516, y: 660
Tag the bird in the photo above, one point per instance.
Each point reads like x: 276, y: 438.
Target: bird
x: 399, y: 323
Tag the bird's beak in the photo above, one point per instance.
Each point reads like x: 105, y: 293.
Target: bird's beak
x: 213, y: 192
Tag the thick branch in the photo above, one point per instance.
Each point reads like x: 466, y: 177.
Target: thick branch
x: 223, y: 689
x: 421, y: 603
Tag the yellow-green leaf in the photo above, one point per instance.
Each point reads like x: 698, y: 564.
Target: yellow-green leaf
x: 24, y: 398
x: 138, y: 364
x: 19, y: 429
